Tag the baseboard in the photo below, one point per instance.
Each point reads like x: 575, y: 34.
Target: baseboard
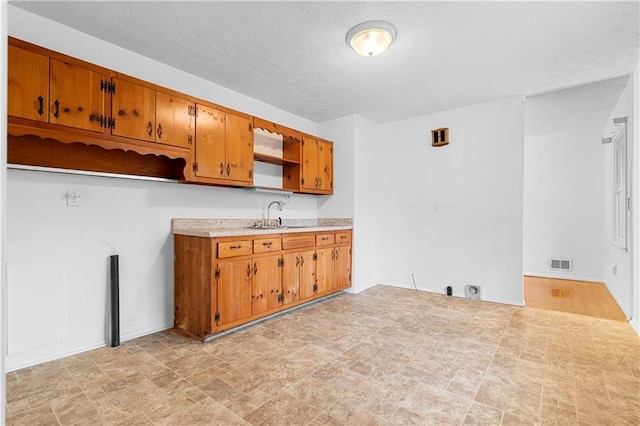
x: 39, y: 359
x: 460, y: 295
x: 564, y: 277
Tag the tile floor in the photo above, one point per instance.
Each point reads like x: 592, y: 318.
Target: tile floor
x: 384, y: 356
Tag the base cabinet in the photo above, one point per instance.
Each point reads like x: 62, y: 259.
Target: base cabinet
x: 221, y: 283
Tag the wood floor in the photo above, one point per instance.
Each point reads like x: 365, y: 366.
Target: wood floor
x: 577, y: 297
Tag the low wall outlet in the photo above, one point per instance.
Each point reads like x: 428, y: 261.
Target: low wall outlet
x: 73, y: 197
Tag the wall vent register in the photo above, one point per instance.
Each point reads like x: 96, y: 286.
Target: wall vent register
x: 561, y: 264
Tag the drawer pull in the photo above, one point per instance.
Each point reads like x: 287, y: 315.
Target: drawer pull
x: 235, y: 247
x: 267, y: 244
x: 342, y: 237
x: 325, y: 238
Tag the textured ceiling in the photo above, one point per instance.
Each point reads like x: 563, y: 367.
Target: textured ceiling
x: 575, y: 108
x: 293, y: 55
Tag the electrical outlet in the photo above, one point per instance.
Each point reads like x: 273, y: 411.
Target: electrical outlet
x: 73, y: 197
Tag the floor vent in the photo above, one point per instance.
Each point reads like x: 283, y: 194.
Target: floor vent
x: 561, y: 264
x: 472, y: 292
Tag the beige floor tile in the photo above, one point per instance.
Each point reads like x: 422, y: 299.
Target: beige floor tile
x: 384, y: 356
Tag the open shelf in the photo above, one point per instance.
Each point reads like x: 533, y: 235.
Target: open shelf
x: 273, y: 160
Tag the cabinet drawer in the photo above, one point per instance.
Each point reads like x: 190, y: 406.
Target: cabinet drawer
x: 324, y: 240
x: 267, y: 245
x: 343, y: 237
x: 234, y: 248
x: 300, y: 241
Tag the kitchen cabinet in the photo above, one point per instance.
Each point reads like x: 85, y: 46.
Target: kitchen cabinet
x: 223, y: 147
x: 299, y: 276
x: 254, y: 276
x: 28, y: 86
x: 307, y: 161
x: 234, y: 287
x: 333, y: 267
x: 67, y: 113
x: 317, y: 166
x: 146, y: 114
x: 53, y: 91
x: 267, y: 284
x: 76, y: 98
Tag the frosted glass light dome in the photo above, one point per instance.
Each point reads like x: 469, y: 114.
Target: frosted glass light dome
x: 371, y: 38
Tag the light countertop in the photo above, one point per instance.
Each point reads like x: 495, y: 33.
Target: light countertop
x: 210, y: 228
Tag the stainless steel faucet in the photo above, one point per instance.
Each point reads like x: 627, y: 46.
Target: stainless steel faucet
x: 279, y: 204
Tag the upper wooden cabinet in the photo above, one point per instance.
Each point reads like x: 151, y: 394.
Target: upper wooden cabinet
x: 134, y: 107
x: 223, y: 147
x: 307, y: 161
x: 140, y: 112
x: 28, y: 88
x: 76, y: 98
x: 317, y: 166
x: 64, y: 112
x: 54, y: 91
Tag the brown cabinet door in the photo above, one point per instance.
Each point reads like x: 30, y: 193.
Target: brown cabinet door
x: 173, y: 120
x: 28, y: 88
x: 210, y: 143
x: 325, y: 166
x: 267, y: 284
x: 234, y: 291
x: 342, y: 268
x: 134, y: 108
x: 324, y: 270
x: 291, y: 277
x: 307, y: 274
x: 239, y: 155
x: 75, y: 99
x: 310, y: 179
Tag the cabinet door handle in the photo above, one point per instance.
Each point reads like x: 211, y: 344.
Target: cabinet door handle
x: 159, y: 132
x: 249, y: 270
x: 228, y: 169
x: 255, y: 268
x: 297, y: 260
x: 56, y: 112
x: 319, y: 182
x: 337, y: 253
x: 221, y: 169
x: 40, y: 105
x: 150, y: 129
x: 301, y: 260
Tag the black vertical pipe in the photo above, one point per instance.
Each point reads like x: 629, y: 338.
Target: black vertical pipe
x: 115, y: 301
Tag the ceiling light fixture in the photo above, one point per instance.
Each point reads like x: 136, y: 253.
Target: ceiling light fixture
x: 371, y: 38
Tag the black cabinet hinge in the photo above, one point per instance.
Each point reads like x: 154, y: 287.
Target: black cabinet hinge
x: 250, y: 127
x: 302, y: 143
x: 216, y: 317
x: 216, y: 274
x: 108, y: 87
x: 190, y: 139
x: 315, y: 256
x: 250, y: 174
x: 281, y: 298
x: 302, y: 181
x: 281, y: 262
x: 195, y: 167
x: 315, y: 288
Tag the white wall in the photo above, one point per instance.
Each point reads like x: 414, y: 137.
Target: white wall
x: 71, y: 245
x: 564, y: 179
x: 635, y: 199
x: 620, y: 283
x: 355, y: 141
x: 366, y: 221
x: 3, y: 180
x: 453, y: 215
